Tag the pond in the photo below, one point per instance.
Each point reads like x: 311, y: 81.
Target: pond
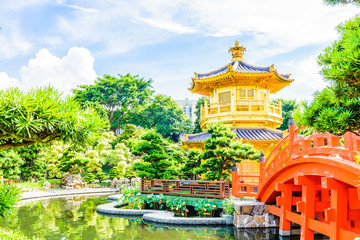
x: 76, y: 218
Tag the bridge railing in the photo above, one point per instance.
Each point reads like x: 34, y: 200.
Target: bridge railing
x: 191, y: 188
x: 292, y: 146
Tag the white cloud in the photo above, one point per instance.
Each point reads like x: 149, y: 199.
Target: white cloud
x: 13, y: 43
x: 283, y: 25
x: 286, y: 24
x: 64, y: 74
x: 166, y: 24
x: 89, y: 10
x: 306, y: 73
x: 6, y: 81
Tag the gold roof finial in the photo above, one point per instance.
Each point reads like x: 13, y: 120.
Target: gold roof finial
x: 237, y: 52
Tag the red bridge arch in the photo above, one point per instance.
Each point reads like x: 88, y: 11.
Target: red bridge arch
x: 312, y: 181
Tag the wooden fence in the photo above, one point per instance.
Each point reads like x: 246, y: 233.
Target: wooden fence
x: 191, y: 188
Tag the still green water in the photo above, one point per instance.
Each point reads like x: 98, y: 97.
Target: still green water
x: 76, y: 218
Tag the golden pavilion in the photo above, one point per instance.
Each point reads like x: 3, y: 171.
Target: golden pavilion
x: 238, y: 95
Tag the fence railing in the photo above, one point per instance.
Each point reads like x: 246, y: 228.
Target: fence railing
x: 191, y: 188
x: 8, y: 181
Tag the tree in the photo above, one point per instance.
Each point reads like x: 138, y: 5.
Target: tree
x: 199, y: 103
x: 51, y: 155
x: 33, y: 167
x: 121, y: 96
x: 336, y: 109
x: 220, y: 152
x: 343, y: 2
x: 287, y: 107
x: 156, y: 162
x: 74, y: 158
x: 10, y: 163
x: 165, y: 115
x: 191, y: 167
x: 41, y: 116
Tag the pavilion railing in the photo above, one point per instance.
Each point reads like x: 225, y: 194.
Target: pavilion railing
x: 191, y: 188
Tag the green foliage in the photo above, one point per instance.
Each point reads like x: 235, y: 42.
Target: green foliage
x: 205, y: 208
x: 121, y: 96
x: 10, y: 163
x: 307, y: 131
x: 156, y: 163
x: 89, y: 177
x: 114, y: 173
x: 177, y: 206
x: 166, y: 116
x: 10, y: 195
x: 336, y: 109
x: 7, y: 234
x: 287, y: 107
x: 41, y: 116
x: 129, y: 131
x: 199, y: 103
x: 342, y: 2
x: 220, y: 152
x: 100, y: 176
x: 129, y: 173
x: 72, y: 159
x: 228, y: 206
x: 191, y: 168
x: 51, y: 155
x: 327, y: 113
x: 33, y: 166
x: 155, y: 201
x: 131, y: 198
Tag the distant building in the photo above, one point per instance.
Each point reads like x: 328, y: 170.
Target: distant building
x: 189, y: 107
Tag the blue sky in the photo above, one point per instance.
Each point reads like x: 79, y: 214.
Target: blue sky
x: 68, y: 43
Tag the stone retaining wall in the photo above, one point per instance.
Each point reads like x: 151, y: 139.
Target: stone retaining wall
x: 252, y: 214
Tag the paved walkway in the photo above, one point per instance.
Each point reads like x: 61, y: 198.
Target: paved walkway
x: 60, y: 193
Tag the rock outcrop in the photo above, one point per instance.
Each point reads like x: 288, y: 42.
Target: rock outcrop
x: 46, y: 186
x: 72, y: 181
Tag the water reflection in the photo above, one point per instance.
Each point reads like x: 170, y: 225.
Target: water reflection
x: 76, y: 218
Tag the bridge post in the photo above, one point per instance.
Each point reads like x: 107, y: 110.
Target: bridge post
x: 337, y: 214
x: 262, y: 159
x: 291, y: 134
x: 285, y: 203
x: 307, y: 205
x: 235, y: 180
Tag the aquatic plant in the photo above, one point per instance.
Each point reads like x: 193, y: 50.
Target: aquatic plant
x: 131, y: 198
x: 178, y: 207
x: 155, y: 201
x: 205, y: 208
x: 228, y: 206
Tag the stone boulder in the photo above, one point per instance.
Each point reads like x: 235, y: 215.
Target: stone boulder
x: 114, y: 183
x: 46, y: 186
x: 72, y: 181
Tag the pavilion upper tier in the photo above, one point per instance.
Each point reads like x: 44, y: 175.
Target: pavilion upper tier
x: 240, y: 73
x: 239, y: 94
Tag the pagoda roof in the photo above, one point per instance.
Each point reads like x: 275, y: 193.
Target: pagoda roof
x: 240, y: 73
x: 248, y: 134
x: 238, y: 66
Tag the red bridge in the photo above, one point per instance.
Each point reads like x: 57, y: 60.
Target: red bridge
x: 312, y: 181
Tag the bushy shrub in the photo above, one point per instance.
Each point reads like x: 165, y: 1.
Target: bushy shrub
x: 9, y: 196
